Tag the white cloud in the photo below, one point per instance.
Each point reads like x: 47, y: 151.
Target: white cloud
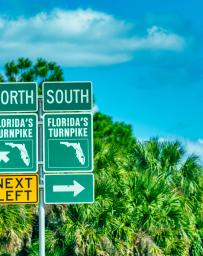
x: 80, y: 38
x: 194, y: 147
x: 158, y: 38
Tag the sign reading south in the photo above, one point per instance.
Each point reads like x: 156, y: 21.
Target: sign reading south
x: 68, y: 142
x: 18, y: 143
x: 72, y: 96
x: 18, y: 97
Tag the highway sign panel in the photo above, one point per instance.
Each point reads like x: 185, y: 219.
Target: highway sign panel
x: 69, y: 188
x: 19, y: 189
x: 18, y: 143
x: 18, y: 97
x: 67, y: 96
x: 68, y: 142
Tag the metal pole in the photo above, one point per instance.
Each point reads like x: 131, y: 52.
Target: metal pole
x: 41, y: 178
x: 41, y: 219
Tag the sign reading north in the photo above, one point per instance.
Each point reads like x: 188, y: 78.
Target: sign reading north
x: 18, y: 143
x: 19, y: 189
x: 72, y: 96
x: 68, y: 142
x: 69, y: 188
x: 18, y: 97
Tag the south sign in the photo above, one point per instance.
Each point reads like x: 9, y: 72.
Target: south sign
x: 67, y: 96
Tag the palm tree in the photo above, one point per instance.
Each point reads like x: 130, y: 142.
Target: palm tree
x: 26, y: 72
x: 12, y: 70
x: 24, y: 63
x: 1, y: 78
x: 141, y: 208
x: 165, y: 161
x: 15, y: 227
x: 41, y: 68
x: 55, y: 72
x: 45, y: 71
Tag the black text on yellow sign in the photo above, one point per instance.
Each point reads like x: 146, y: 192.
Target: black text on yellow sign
x: 19, y: 189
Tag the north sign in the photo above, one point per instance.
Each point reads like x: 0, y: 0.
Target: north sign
x: 67, y: 96
x: 19, y: 189
x: 18, y: 143
x: 18, y: 97
x: 69, y: 188
x: 68, y: 142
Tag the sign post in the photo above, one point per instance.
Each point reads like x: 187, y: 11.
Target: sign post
x: 41, y: 175
x: 68, y: 142
x: 65, y: 138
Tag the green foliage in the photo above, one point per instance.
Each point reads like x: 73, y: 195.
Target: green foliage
x: 149, y: 196
x: 115, y: 133
x: 15, y: 227
x: 148, y: 200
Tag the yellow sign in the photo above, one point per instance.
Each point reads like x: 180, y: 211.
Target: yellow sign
x: 19, y: 189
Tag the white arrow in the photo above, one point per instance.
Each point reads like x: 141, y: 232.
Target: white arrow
x: 76, y: 188
x: 4, y: 156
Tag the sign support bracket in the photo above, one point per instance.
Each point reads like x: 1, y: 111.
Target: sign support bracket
x: 41, y: 178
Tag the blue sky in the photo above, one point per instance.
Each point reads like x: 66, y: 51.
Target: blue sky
x: 145, y: 58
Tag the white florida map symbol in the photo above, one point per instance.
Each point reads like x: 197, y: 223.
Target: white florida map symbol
x: 22, y: 150
x: 78, y: 150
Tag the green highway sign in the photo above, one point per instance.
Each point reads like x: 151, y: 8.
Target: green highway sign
x: 68, y: 142
x: 69, y: 188
x: 67, y: 96
x: 18, y: 97
x: 18, y: 143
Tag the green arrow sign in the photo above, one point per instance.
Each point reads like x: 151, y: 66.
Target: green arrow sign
x: 68, y: 142
x: 60, y: 96
x: 69, y: 188
x: 18, y: 97
x: 18, y: 143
